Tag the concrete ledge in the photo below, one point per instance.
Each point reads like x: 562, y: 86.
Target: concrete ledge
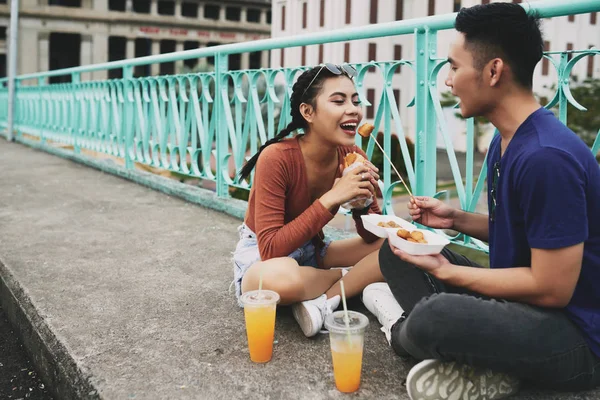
x: 48, y: 354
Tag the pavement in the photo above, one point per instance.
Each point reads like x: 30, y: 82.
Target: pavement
x: 121, y: 292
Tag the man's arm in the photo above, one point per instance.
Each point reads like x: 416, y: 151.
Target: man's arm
x: 550, y: 282
x: 474, y: 225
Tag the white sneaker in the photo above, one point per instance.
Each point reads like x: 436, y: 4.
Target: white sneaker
x: 311, y: 314
x: 378, y: 299
x: 438, y: 380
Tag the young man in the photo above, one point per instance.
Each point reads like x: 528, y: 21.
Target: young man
x: 535, y: 314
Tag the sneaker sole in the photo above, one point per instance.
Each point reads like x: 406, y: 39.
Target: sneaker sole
x: 430, y: 380
x: 304, y: 319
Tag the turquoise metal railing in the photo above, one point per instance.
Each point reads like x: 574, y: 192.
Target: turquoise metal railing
x: 204, y: 125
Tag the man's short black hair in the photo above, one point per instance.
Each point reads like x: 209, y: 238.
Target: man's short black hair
x: 503, y: 30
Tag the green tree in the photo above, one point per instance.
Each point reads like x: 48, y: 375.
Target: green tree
x: 586, y: 123
x: 395, y: 155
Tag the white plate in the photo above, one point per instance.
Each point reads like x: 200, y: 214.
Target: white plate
x: 370, y: 222
x: 435, y: 243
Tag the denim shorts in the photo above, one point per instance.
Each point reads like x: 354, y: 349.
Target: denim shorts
x: 246, y: 253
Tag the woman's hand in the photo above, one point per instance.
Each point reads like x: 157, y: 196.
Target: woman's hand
x: 357, y: 182
x: 431, y: 212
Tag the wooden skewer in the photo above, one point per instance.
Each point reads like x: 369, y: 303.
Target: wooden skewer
x: 368, y: 127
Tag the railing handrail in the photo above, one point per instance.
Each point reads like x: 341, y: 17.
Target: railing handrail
x: 546, y: 9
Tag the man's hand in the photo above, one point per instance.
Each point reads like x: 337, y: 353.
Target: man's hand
x: 431, y: 212
x: 431, y: 264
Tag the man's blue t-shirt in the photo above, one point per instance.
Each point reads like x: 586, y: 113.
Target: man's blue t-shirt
x: 544, y: 193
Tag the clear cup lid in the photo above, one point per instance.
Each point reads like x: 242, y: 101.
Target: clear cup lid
x: 260, y: 297
x: 336, y: 322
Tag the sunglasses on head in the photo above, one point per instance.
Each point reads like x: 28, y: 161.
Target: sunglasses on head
x: 344, y: 69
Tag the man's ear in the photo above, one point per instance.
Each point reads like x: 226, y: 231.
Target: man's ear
x: 307, y: 112
x: 495, y: 69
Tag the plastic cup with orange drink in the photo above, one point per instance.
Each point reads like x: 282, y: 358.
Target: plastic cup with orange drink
x: 259, y: 312
x: 346, y: 339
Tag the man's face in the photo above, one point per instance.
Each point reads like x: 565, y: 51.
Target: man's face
x: 466, y: 82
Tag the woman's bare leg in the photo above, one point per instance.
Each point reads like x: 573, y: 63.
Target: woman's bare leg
x: 363, y: 256
x: 292, y: 282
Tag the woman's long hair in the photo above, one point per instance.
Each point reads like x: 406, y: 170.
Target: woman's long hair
x: 300, y: 95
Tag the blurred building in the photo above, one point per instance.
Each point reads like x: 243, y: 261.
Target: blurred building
x: 297, y: 17
x: 56, y: 34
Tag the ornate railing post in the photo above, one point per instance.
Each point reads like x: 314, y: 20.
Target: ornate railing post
x: 426, y: 125
x: 222, y: 133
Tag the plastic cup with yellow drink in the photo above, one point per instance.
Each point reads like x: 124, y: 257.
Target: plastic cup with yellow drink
x: 346, y: 341
x: 259, y: 312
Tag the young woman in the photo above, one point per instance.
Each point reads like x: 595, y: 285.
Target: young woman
x: 298, y: 188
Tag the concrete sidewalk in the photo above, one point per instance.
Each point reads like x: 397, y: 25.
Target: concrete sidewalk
x: 121, y: 292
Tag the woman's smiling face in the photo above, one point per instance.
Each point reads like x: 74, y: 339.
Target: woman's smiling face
x: 337, y: 112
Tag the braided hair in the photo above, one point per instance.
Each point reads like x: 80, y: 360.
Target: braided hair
x: 300, y: 95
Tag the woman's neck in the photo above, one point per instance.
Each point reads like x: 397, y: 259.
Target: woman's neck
x: 316, y: 150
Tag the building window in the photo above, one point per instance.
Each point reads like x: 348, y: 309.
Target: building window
x: 269, y: 17
x: 167, y: 68
x: 545, y: 62
x: 303, y: 56
x: 304, y: 12
x: 166, y: 8
x: 373, y: 15
x: 571, y: 18
x: 431, y: 7
x: 346, y: 52
x: 190, y: 45
x: 397, y: 97
x: 116, y: 51
x: 65, y: 3
x: 116, y: 5
x: 142, y: 48
x: 282, y: 58
x: 398, y: 56
x: 590, y: 64
x: 3, y: 66
x: 3, y: 32
x: 253, y: 15
x: 65, y: 51
x: 320, y: 54
x: 399, y: 10
x: 233, y: 14
x: 283, y: 18
x: 371, y: 99
x: 348, y: 11
x: 189, y: 10
x: 255, y: 59
x: 569, y: 48
x: 372, y: 55
x: 322, y: 16
x: 456, y: 5
x: 141, y: 6
x: 211, y: 11
x: 593, y: 18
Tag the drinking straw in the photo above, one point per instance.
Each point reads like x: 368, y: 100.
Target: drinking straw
x: 346, y: 317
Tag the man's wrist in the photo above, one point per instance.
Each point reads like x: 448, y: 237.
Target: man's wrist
x: 360, y: 211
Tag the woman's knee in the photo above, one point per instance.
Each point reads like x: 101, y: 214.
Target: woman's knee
x: 280, y: 275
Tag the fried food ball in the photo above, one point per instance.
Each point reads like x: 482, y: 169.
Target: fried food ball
x: 417, y: 235
x: 403, y: 233
x: 365, y: 130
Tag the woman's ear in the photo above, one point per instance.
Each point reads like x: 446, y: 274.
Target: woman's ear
x: 307, y: 111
